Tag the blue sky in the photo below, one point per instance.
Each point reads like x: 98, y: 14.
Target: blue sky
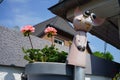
x: 22, y: 12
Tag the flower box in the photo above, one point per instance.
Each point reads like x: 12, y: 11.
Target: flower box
x: 49, y: 71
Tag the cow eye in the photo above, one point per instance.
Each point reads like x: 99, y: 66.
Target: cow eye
x: 86, y: 13
x: 93, y: 16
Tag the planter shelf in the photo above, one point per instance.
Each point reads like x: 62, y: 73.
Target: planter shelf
x: 95, y: 67
x: 49, y: 71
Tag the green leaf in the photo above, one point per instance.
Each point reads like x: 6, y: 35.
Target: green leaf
x: 28, y: 58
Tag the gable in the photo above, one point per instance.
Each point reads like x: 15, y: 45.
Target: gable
x: 58, y: 23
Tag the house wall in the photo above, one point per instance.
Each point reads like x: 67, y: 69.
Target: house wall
x: 65, y: 39
x: 10, y: 73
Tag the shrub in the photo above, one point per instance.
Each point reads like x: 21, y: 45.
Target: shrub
x: 106, y: 55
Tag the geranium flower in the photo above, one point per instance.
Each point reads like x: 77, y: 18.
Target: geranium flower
x: 47, y: 54
x: 26, y: 30
x: 50, y: 31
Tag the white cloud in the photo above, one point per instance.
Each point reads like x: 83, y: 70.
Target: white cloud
x: 22, y: 15
x: 22, y: 20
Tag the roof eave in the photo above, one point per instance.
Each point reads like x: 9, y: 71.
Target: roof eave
x: 67, y: 4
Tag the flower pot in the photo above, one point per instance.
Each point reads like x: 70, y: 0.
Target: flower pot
x: 49, y: 71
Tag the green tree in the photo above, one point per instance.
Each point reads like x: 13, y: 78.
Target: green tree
x: 106, y: 55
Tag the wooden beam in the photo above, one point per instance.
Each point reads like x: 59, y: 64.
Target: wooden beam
x: 102, y: 8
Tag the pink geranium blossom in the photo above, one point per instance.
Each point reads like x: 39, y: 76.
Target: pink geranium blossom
x: 27, y: 28
x: 50, y: 31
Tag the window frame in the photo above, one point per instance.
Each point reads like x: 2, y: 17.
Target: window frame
x: 59, y: 41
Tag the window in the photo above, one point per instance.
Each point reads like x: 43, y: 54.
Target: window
x: 58, y: 41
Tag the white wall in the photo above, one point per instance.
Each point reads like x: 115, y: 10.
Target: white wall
x: 10, y: 73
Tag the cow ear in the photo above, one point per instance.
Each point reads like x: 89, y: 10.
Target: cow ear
x: 98, y: 21
x: 77, y: 11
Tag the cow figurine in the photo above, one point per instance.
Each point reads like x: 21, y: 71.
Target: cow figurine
x: 83, y: 23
